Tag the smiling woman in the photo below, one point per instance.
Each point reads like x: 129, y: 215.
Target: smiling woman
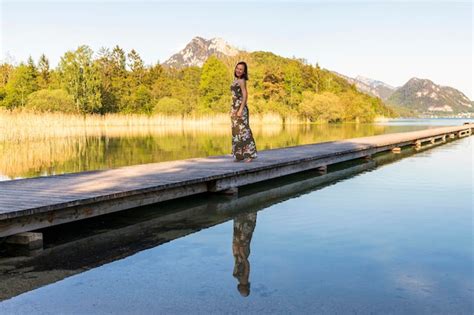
x: 243, y: 144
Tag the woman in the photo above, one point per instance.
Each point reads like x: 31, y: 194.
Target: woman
x: 243, y: 144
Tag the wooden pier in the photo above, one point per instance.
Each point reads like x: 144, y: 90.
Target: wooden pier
x: 31, y: 204
x: 128, y: 232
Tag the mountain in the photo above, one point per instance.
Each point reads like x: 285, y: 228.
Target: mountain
x: 370, y: 86
x: 425, y: 97
x: 419, y: 96
x: 198, y: 50
x: 378, y: 88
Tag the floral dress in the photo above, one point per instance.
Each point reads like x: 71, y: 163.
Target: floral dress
x: 243, y: 144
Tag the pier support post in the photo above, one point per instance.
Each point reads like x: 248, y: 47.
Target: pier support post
x: 225, y: 188
x: 27, y: 243
x: 322, y: 170
x: 229, y: 191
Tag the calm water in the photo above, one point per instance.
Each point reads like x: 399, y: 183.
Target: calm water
x: 391, y: 236
x: 105, y: 149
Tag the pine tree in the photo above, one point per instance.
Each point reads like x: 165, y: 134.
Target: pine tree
x: 119, y: 59
x: 136, y: 66
x: 44, y: 72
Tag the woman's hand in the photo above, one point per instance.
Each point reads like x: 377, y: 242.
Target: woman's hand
x: 237, y: 113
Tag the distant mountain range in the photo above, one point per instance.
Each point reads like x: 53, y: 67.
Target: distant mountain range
x: 420, y: 96
x: 372, y: 87
x: 424, y: 96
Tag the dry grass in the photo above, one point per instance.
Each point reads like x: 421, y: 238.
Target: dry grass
x: 33, y: 144
x: 22, y: 126
x: 30, y: 142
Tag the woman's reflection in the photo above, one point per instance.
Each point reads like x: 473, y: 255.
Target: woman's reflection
x: 244, y: 225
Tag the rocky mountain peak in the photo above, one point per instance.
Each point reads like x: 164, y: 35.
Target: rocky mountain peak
x: 425, y: 96
x: 374, y: 83
x: 198, y: 50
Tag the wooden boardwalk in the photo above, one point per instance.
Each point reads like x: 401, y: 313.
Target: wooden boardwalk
x: 127, y: 233
x: 30, y: 204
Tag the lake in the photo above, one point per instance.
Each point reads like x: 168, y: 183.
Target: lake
x: 392, y: 236
x: 114, y: 147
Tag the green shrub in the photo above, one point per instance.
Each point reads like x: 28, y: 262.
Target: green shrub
x: 51, y: 101
x: 170, y: 106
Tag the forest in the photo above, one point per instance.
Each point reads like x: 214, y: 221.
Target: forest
x: 114, y: 81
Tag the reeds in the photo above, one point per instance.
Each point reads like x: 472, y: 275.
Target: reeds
x: 22, y: 125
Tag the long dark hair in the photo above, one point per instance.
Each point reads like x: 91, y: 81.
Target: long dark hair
x: 245, y: 76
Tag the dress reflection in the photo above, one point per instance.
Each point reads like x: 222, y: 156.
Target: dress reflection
x: 244, y: 225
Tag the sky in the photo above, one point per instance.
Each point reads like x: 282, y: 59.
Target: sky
x: 391, y: 41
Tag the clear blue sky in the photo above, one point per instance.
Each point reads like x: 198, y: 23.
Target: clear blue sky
x: 391, y: 41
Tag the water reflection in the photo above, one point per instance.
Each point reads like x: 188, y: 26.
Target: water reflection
x: 405, y: 250
x: 74, y: 248
x: 92, y: 151
x: 244, y: 225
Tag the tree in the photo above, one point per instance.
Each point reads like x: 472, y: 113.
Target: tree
x: 310, y: 78
x: 81, y: 79
x: 119, y: 60
x: 214, y: 87
x: 21, y: 83
x: 186, y: 87
x: 115, y: 81
x: 6, y: 70
x: 136, y: 66
x: 293, y: 83
x: 5, y: 74
x: 120, y: 83
x: 32, y: 67
x: 324, y: 107
x: 274, y: 86
x: 162, y: 86
x: 140, y: 101
x: 152, y: 73
x: 44, y: 72
x: 112, y: 77
x: 356, y: 107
